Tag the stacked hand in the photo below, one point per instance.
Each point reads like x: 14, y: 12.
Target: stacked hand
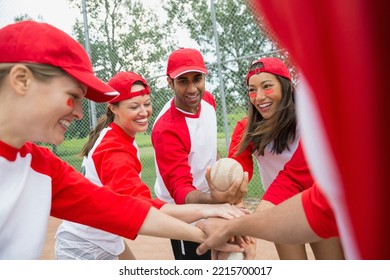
x: 225, y: 211
x: 247, y: 243
x: 218, y: 236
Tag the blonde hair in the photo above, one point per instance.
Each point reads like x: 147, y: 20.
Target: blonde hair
x: 42, y: 72
x: 103, y: 122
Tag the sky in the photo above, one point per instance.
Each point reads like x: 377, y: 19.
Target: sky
x: 55, y: 12
x: 59, y: 14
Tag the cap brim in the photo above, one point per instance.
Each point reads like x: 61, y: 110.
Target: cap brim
x: 184, y: 70
x: 97, y: 91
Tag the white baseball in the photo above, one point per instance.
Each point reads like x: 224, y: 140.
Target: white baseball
x: 224, y: 172
x: 236, y: 256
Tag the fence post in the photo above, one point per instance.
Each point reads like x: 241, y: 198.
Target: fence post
x: 88, y: 49
x: 221, y: 82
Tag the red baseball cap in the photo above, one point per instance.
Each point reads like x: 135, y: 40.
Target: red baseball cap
x: 123, y: 81
x: 185, y: 60
x: 271, y: 65
x: 36, y: 42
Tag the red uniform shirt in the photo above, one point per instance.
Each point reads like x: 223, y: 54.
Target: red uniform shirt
x: 35, y: 184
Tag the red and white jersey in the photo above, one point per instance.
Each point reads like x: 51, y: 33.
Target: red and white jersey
x: 185, y: 144
x: 113, y: 161
x: 269, y: 164
x: 294, y: 178
x: 35, y: 184
x: 343, y: 108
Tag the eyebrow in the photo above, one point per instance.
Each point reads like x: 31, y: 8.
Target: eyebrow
x: 182, y: 78
x: 186, y: 78
x: 262, y: 83
x: 266, y: 81
x: 138, y: 102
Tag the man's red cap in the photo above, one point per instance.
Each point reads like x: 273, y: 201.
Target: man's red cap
x: 185, y: 60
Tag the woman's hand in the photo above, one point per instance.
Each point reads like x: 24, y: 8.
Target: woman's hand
x: 225, y: 211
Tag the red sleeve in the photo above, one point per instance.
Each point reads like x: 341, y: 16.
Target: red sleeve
x: 171, y: 155
x: 209, y: 98
x: 310, y: 31
x: 293, y: 179
x: 318, y: 213
x: 245, y: 158
x: 76, y: 199
x: 119, y: 168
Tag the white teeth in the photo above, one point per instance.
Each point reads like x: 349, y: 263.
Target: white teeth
x: 265, y: 105
x: 142, y: 121
x: 64, y: 123
x: 192, y: 97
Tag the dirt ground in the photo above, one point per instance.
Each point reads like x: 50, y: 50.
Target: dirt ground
x: 153, y: 248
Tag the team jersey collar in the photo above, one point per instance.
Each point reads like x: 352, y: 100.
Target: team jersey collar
x: 9, y: 152
x: 120, y: 130
x: 187, y: 114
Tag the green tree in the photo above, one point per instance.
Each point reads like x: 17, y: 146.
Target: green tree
x: 240, y: 41
x: 23, y: 17
x: 124, y: 35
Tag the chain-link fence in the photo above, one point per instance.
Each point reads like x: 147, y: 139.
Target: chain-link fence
x: 125, y: 35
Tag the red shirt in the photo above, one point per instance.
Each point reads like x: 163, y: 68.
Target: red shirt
x: 34, y: 184
x: 318, y: 213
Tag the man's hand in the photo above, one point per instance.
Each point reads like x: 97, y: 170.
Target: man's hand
x: 234, y: 195
x: 217, y: 235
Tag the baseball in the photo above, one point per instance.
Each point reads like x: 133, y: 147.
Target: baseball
x: 236, y: 256
x: 224, y: 172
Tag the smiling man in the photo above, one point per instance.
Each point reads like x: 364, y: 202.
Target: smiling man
x: 184, y: 137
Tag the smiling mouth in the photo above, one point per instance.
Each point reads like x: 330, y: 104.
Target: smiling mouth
x: 65, y: 124
x: 192, y: 97
x: 142, y: 121
x: 265, y: 105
